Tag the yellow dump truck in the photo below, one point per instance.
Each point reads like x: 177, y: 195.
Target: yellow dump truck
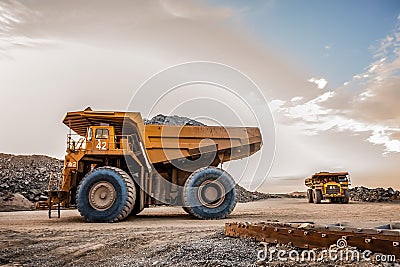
x: 116, y: 166
x: 328, y: 185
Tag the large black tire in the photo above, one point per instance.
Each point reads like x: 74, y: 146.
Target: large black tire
x: 310, y: 195
x: 107, y: 194
x: 346, y: 198
x: 317, y: 196
x: 209, y: 193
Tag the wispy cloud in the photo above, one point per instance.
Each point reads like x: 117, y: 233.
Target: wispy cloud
x: 14, y: 16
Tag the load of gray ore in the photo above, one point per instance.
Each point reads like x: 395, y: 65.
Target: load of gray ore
x: 172, y: 120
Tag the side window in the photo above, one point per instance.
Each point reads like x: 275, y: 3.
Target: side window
x: 101, y: 133
x: 89, y: 135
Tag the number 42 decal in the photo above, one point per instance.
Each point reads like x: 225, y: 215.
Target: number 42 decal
x: 101, y: 145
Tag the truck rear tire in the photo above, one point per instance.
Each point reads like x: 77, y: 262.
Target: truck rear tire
x: 346, y: 198
x: 310, y: 195
x: 317, y: 196
x: 209, y: 193
x: 107, y: 194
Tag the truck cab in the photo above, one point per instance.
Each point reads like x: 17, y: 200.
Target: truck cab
x: 100, y: 138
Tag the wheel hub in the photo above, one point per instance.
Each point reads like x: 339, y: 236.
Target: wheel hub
x: 102, y: 195
x: 211, y: 193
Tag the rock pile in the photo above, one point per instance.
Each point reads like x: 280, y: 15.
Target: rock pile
x: 172, y: 120
x: 243, y: 195
x: 374, y: 195
x: 27, y: 175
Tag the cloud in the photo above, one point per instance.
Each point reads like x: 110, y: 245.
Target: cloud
x: 320, y: 82
x: 372, y: 96
x: 296, y: 98
x: 381, y: 137
x: 369, y: 103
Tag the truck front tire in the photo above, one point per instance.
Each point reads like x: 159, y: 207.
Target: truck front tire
x: 209, y: 193
x: 346, y: 197
x: 317, y: 196
x: 310, y: 195
x: 107, y: 194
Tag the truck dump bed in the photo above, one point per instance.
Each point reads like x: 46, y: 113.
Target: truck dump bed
x: 167, y: 142
x: 164, y: 143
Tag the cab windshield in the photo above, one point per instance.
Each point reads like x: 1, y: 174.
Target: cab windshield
x: 101, y: 133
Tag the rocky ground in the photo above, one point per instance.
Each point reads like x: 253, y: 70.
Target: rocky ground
x: 167, y: 236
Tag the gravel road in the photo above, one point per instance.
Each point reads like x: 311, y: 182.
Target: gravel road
x: 163, y: 236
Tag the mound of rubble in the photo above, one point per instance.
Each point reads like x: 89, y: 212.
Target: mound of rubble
x: 243, y: 195
x: 172, y: 120
x: 365, y: 194
x: 14, y: 202
x: 27, y: 175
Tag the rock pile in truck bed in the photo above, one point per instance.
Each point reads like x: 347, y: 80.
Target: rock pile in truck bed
x: 172, y: 120
x: 374, y: 195
x: 27, y: 175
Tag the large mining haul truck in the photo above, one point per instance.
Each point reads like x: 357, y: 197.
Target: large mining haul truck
x: 328, y: 185
x: 118, y: 166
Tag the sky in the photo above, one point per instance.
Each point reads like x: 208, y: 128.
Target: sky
x: 329, y: 71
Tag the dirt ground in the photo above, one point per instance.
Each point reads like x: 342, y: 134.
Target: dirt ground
x: 162, y: 236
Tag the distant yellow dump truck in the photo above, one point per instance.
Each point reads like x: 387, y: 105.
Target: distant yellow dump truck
x: 118, y: 166
x: 328, y: 185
